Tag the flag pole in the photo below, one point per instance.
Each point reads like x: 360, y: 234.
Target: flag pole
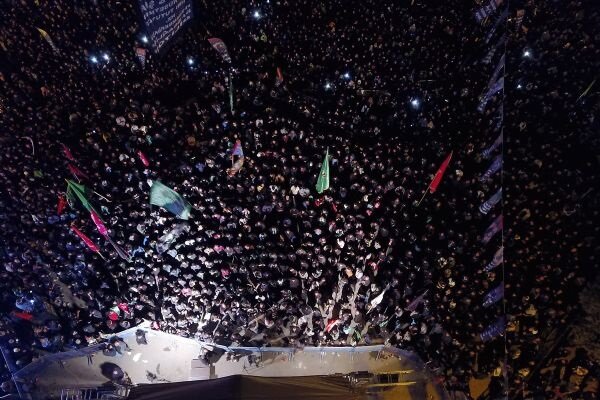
x: 99, y: 195
x: 424, y: 194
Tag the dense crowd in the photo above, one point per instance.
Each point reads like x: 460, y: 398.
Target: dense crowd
x: 389, y: 89
x: 551, y: 230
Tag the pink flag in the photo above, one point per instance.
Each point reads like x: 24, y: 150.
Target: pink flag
x: 99, y: 224
x: 123, y: 307
x: 67, y: 152
x: 76, y: 171
x: 143, y: 158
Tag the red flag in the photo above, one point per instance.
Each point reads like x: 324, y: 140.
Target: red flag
x: 279, y: 75
x: 113, y: 316
x: 439, y: 174
x: 99, y: 223
x: 331, y: 324
x: 86, y: 239
x: 143, y: 158
x: 23, y: 315
x: 67, y: 152
x: 123, y: 307
x: 76, y: 171
x: 62, y: 202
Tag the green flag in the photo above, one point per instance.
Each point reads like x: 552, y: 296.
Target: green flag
x: 323, y: 181
x: 163, y: 196
x: 76, y: 190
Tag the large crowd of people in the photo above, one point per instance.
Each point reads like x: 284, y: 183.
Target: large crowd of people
x: 554, y: 202
x: 389, y: 90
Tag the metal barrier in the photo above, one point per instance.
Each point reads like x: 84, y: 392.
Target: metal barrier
x: 117, y: 393
x: 6, y: 356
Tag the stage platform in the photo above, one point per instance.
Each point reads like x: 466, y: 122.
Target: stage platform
x: 171, y: 358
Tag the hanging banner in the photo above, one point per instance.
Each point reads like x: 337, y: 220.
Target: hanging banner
x: 487, y: 152
x: 494, y: 330
x: 163, y: 19
x: 499, y: 20
x: 499, y: 85
x: 488, y: 9
x: 488, y: 57
x: 494, y: 295
x: 220, y: 47
x: 491, y: 202
x: 500, y: 117
x: 496, y: 73
x: 496, y: 165
x: 491, y: 231
x: 497, y: 260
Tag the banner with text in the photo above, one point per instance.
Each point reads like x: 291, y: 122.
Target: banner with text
x: 488, y: 8
x: 163, y: 19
